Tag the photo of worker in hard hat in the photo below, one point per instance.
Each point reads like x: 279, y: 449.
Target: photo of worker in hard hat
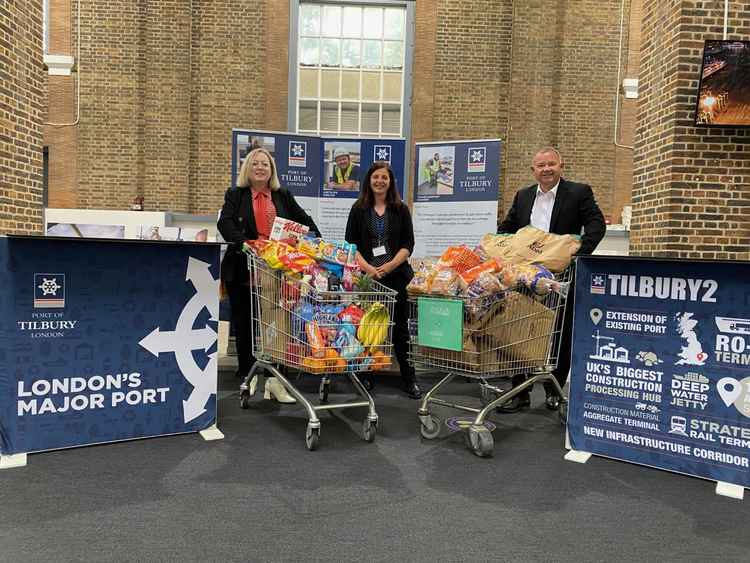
x: 435, y: 171
x: 342, y: 163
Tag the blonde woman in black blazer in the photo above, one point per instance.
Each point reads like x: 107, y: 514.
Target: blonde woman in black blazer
x: 237, y: 223
x: 380, y: 225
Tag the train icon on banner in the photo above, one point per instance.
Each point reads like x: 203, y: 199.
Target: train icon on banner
x: 49, y: 291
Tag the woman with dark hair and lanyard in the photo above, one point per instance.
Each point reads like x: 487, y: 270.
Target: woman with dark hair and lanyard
x: 380, y: 225
x: 248, y: 214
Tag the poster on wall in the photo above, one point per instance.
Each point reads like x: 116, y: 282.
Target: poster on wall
x: 102, y: 341
x: 323, y: 173
x: 345, y: 164
x: 456, y: 186
x: 661, y: 365
x: 297, y: 160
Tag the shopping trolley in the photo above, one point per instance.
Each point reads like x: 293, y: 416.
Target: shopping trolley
x: 284, y: 310
x: 516, y: 331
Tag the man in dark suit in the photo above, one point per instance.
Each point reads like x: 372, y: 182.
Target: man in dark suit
x: 558, y: 206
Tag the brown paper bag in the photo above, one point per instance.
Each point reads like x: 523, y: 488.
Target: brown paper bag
x: 534, y: 246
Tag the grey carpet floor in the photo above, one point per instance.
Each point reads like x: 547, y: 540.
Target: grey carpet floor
x: 259, y: 495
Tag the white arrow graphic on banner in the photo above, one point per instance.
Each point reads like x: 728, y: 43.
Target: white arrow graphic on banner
x: 184, y: 339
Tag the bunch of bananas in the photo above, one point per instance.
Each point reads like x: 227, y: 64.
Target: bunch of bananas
x: 373, y: 328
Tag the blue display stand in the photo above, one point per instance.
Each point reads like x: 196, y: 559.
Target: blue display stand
x: 661, y: 366
x: 102, y: 341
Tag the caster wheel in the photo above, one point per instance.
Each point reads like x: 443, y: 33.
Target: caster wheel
x: 245, y: 399
x: 562, y: 412
x: 480, y: 441
x: 369, y: 429
x: 429, y: 426
x: 312, y: 437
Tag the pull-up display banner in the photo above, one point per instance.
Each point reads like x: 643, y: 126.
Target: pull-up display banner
x: 102, y: 341
x: 661, y: 365
x: 455, y: 195
x: 323, y: 173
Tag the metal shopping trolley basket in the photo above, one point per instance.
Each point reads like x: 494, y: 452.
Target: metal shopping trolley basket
x: 513, y: 332
x: 299, y: 327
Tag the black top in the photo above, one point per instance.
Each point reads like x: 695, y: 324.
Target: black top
x: 237, y: 224
x: 400, y: 234
x: 379, y: 237
x: 575, y: 209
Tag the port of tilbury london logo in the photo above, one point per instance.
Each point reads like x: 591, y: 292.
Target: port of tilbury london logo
x: 477, y: 159
x: 382, y: 152
x: 298, y: 153
x: 49, y: 291
x: 598, y: 284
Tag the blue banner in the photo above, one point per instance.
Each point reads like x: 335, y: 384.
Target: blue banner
x: 661, y: 365
x: 456, y: 193
x: 103, y: 341
x: 323, y: 173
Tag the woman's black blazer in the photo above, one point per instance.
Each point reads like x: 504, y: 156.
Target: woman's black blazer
x: 237, y: 224
x: 400, y: 234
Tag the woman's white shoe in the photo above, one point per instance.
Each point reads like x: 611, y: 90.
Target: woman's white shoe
x: 277, y: 391
x: 253, y: 385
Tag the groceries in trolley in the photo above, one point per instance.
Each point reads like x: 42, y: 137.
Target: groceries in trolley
x: 318, y: 311
x: 500, y: 262
x: 511, y: 288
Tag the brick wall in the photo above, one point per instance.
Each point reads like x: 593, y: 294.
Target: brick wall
x: 518, y: 72
x: 161, y: 90
x: 23, y: 94
x: 60, y: 127
x: 691, y: 190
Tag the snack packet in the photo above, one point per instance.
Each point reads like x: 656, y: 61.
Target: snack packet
x: 459, y: 259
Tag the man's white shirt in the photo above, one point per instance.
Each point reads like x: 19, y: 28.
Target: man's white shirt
x: 541, y: 212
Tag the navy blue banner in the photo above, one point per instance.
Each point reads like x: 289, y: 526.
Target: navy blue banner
x: 456, y: 193
x: 457, y: 171
x: 103, y: 341
x: 298, y: 158
x: 661, y: 365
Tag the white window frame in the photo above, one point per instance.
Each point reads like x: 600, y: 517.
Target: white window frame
x: 405, y: 102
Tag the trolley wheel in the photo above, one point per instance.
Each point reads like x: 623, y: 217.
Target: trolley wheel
x: 245, y: 399
x: 323, y: 392
x: 480, y: 441
x: 429, y: 426
x: 562, y: 411
x: 369, y: 429
x: 312, y: 437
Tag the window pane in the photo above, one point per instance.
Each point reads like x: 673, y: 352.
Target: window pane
x: 329, y: 116
x: 329, y: 87
x: 371, y: 85
x: 393, y: 54
x: 350, y: 85
x: 308, y: 51
x: 352, y: 22
x: 394, y: 24
x: 392, y: 119
x: 331, y: 21
x: 392, y: 86
x: 329, y: 52
x: 350, y: 117
x: 309, y: 19
x: 308, y: 115
x: 373, y: 26
x: 371, y: 54
x: 370, y: 118
x: 350, y: 52
x: 308, y: 83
